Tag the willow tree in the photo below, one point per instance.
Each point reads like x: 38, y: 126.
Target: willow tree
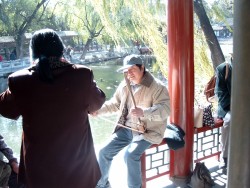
x: 17, y: 17
x: 82, y: 17
x: 217, y: 55
x: 125, y: 20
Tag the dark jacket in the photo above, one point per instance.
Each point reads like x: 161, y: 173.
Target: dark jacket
x: 223, y: 89
x: 57, y: 146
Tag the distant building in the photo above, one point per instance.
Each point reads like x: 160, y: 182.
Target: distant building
x: 224, y: 30
x: 9, y: 42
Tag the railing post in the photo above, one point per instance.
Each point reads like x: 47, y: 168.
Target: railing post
x: 143, y: 170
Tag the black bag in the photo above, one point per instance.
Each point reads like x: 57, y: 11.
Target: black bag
x: 174, y: 136
x: 208, y: 119
x: 201, y: 177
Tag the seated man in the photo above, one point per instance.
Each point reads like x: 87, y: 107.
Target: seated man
x: 143, y: 105
x: 5, y: 168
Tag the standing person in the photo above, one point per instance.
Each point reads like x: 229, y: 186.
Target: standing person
x: 7, y: 54
x: 13, y: 55
x: 6, y: 168
x: 1, y: 58
x: 223, y: 92
x: 148, y: 114
x: 54, y: 98
x: 69, y: 52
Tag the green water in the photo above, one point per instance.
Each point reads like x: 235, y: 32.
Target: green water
x: 106, y: 78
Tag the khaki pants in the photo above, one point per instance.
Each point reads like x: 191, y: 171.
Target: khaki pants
x: 225, y: 135
x: 5, y: 171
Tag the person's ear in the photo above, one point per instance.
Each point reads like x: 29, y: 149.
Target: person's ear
x: 142, y: 67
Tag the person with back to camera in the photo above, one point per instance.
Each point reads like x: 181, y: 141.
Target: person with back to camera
x: 6, y: 168
x: 223, y: 93
x: 147, y: 118
x: 54, y: 98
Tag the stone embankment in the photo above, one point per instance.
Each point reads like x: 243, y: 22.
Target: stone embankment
x: 7, y: 67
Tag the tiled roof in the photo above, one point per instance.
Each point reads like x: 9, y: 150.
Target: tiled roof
x: 7, y: 39
x: 10, y: 39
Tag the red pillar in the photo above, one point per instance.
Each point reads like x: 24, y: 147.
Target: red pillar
x: 181, y: 82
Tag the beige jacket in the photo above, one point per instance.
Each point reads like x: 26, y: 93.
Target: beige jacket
x: 152, y: 97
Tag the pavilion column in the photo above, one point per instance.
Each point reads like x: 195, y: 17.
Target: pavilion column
x: 181, y: 83
x: 239, y: 140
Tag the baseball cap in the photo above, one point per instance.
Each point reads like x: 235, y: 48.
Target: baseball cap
x: 129, y: 61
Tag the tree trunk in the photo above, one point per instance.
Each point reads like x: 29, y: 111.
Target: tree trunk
x: 19, y: 39
x: 19, y: 45
x: 217, y: 55
x: 85, y: 49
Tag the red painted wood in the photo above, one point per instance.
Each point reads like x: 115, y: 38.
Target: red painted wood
x: 181, y: 81
x: 143, y: 170
x: 218, y: 123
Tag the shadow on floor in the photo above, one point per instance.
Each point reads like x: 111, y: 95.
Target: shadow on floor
x: 219, y: 176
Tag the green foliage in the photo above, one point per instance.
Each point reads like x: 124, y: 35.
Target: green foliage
x: 203, y: 67
x: 123, y: 21
x: 128, y: 20
x: 220, y: 10
x: 15, y: 15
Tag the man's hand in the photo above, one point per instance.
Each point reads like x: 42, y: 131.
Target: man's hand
x: 137, y: 112
x: 141, y: 127
x: 94, y: 113
x: 15, y: 166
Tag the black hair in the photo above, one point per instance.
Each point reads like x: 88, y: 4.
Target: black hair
x: 45, y: 45
x: 140, y: 67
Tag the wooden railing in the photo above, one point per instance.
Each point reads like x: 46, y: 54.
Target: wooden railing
x: 155, y: 162
x: 207, y: 142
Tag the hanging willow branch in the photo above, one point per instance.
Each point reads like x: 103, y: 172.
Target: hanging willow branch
x: 133, y: 20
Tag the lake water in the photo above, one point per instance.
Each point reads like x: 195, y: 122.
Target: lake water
x: 107, y: 79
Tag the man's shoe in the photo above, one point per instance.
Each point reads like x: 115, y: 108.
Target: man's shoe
x: 106, y: 186
x: 223, y: 163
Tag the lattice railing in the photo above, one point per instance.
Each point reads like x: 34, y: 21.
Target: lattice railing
x: 156, y: 160
x: 206, y: 142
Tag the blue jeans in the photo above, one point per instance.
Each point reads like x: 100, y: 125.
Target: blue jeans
x: 120, y: 139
